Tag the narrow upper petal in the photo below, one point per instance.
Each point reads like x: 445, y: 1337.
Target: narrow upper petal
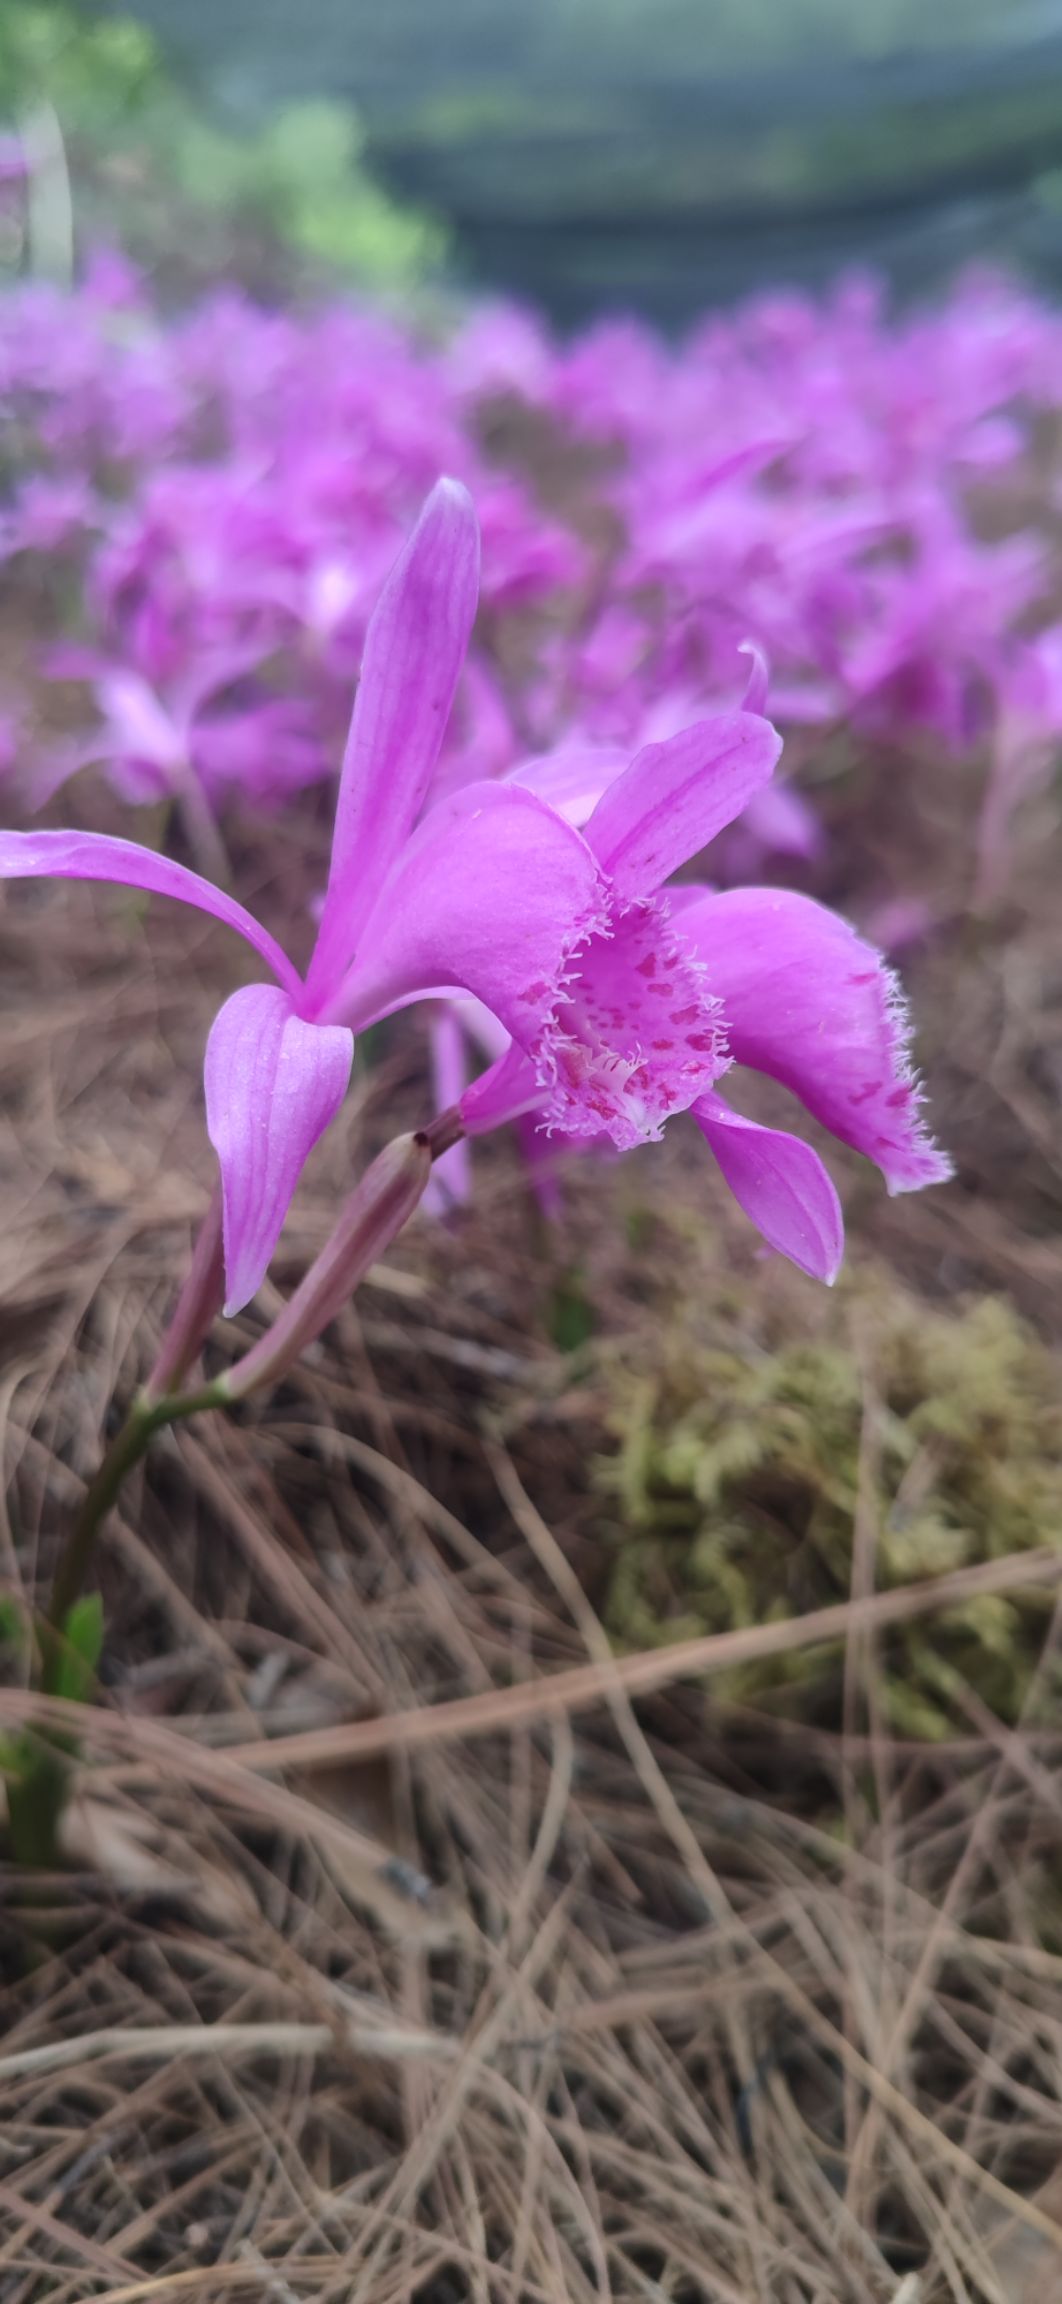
x: 676, y: 796
x: 95, y: 856
x: 807, y: 1001
x: 273, y: 1084
x: 780, y: 1183
x: 493, y: 895
x: 414, y: 650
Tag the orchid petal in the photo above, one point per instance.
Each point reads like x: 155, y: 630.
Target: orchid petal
x: 125, y: 864
x: 543, y: 1157
x: 509, y: 1091
x: 641, y: 1036
x: 642, y: 1033
x: 812, y: 1005
x: 463, y: 1031
x: 572, y: 779
x: 482, y: 1030
x: 509, y: 1088
x: 414, y: 650
x: 493, y: 895
x: 273, y: 1084
x: 676, y: 796
x: 450, y: 1182
x: 781, y: 1184
x: 782, y: 821
x: 137, y: 722
x: 759, y: 676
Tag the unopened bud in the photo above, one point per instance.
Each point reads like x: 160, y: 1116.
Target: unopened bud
x: 367, y: 1223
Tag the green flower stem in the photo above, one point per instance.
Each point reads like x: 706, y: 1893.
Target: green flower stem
x: 38, y: 1783
x: 146, y: 1417
x: 367, y: 1222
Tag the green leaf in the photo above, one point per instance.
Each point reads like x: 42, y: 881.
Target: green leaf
x: 570, y: 1316
x: 83, y: 1628
x: 82, y: 1636
x: 36, y: 1797
x: 12, y: 1621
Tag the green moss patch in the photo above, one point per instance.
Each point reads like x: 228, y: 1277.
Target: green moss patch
x: 745, y: 1465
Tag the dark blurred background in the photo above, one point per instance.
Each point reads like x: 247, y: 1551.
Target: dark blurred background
x: 668, y: 153
x: 585, y: 154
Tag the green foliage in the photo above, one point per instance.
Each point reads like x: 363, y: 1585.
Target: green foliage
x: 94, y: 70
x: 35, y: 1764
x: 13, y: 1626
x: 37, y: 1775
x: 571, y: 1318
x: 303, y: 177
x: 741, y: 1469
x: 139, y: 144
x: 82, y: 1643
x: 314, y: 154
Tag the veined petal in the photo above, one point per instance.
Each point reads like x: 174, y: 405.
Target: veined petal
x: 273, y: 1084
x: 812, y: 1005
x: 493, y: 895
x: 780, y: 1183
x: 676, y: 796
x: 414, y: 650
x: 124, y: 863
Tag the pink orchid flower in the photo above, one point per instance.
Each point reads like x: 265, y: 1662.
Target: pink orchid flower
x: 184, y: 742
x: 766, y: 979
x: 491, y: 894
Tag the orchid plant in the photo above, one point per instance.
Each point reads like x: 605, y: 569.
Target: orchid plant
x: 611, y: 998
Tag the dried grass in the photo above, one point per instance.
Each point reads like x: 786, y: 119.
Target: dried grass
x: 535, y: 1974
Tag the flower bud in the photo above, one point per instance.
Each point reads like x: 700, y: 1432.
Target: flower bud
x: 376, y: 1211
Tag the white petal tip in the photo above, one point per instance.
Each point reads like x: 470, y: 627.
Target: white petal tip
x: 449, y: 490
